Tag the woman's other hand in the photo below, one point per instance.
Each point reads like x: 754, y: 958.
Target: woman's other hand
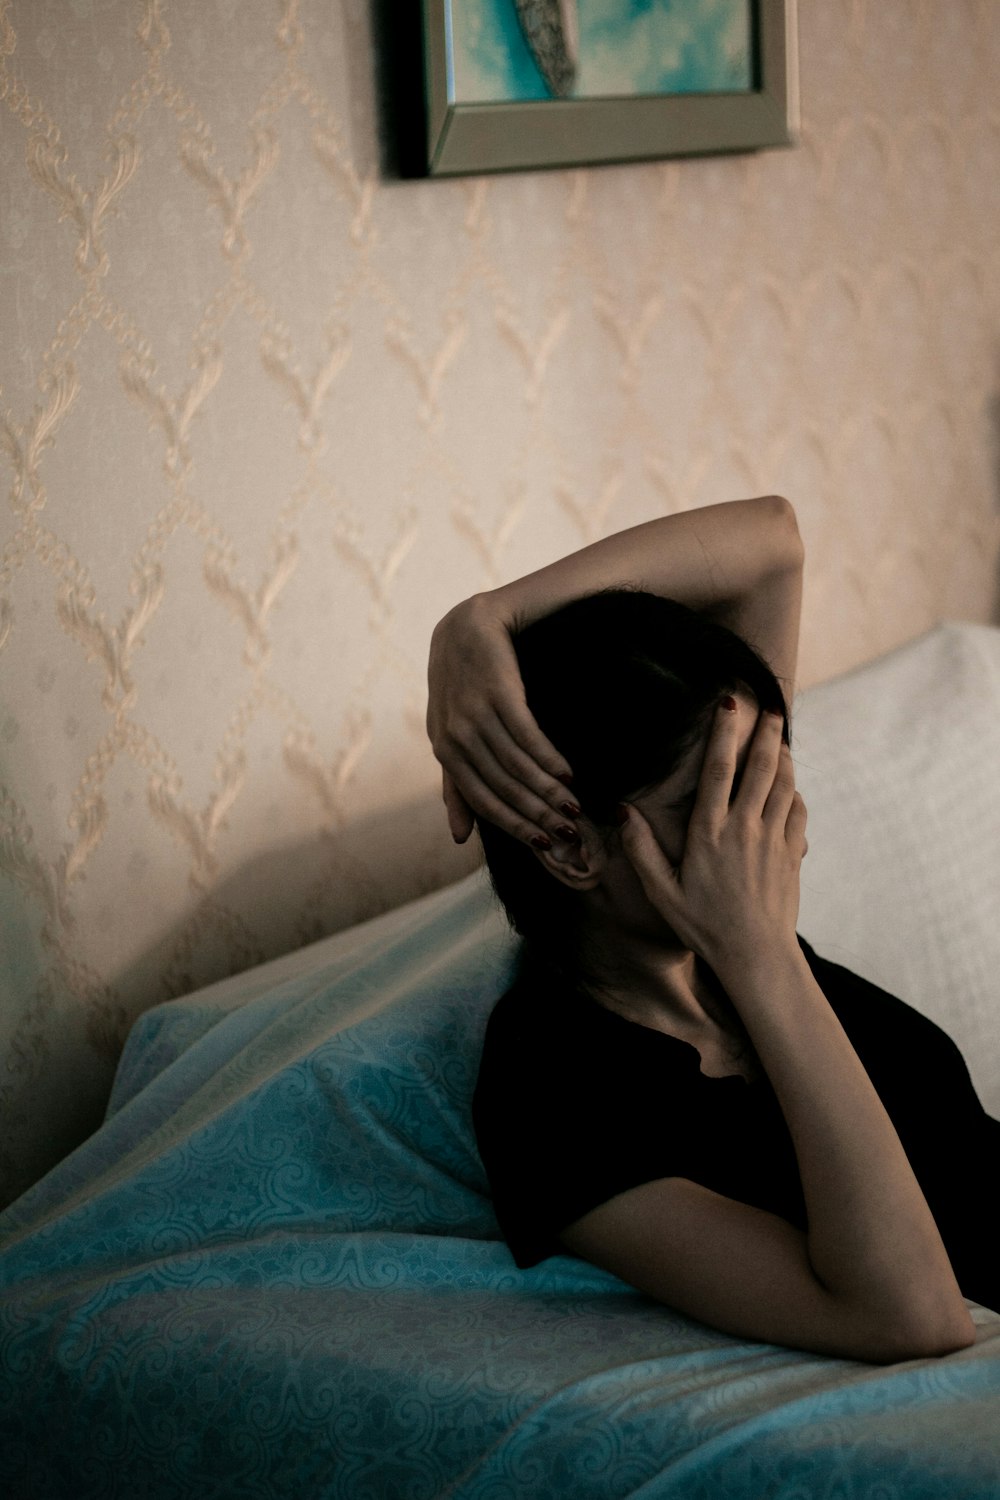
x: 495, y: 760
x: 741, y: 560
x: 734, y: 897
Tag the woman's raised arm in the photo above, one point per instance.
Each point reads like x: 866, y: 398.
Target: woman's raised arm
x: 740, y: 561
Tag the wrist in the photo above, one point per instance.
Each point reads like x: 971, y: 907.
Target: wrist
x: 479, y: 612
x: 760, y: 968
x: 504, y: 606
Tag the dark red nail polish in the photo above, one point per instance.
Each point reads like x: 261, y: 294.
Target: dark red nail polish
x: 565, y: 779
x: 567, y: 834
x: 541, y: 842
x: 621, y: 814
x: 570, y: 809
x: 729, y: 702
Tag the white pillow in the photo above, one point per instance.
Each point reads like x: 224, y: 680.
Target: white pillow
x: 899, y: 765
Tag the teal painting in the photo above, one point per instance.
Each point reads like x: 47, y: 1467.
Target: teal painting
x: 518, y: 50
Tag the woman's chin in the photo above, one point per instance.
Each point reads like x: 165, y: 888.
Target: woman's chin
x: 669, y: 939
x: 653, y: 929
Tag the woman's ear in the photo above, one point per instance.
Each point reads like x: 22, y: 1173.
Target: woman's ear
x: 579, y: 866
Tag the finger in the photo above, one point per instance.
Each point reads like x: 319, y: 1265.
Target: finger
x: 656, y: 874
x: 534, y: 826
x: 460, y: 817
x: 486, y: 784
x: 715, y: 781
x: 779, y: 798
x: 528, y: 772
x: 523, y: 732
x: 484, y: 743
x: 762, y: 764
x: 795, y: 824
x: 525, y: 753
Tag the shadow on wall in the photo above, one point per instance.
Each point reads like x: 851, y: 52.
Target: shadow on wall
x: 398, y: 51
x: 275, y: 903
x: 294, y: 894
x: 994, y: 428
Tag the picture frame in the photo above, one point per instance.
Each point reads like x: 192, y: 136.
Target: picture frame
x: 469, y: 134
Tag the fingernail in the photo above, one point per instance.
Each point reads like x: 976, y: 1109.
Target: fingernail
x: 566, y: 779
x: 567, y: 834
x: 621, y: 814
x: 541, y: 842
x: 570, y: 809
x: 729, y: 702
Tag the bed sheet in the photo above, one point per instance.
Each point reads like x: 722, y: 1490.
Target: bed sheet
x: 275, y: 1270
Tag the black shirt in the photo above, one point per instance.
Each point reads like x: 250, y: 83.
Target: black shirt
x: 575, y: 1104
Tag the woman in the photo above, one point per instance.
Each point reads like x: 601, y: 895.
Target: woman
x: 677, y: 1088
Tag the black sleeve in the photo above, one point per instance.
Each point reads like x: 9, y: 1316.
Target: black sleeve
x: 562, y: 1119
x: 916, y: 1067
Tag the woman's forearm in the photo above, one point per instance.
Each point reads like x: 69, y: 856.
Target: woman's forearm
x: 741, y: 561
x: 872, y: 1241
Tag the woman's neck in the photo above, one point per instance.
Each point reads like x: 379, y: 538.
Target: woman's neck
x: 657, y: 983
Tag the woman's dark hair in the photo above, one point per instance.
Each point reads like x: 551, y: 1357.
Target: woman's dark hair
x: 623, y: 683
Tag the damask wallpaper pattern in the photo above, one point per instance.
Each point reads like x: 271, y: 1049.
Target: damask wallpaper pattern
x: 266, y: 413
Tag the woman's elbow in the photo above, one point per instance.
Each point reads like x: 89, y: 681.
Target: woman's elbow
x: 925, y: 1339
x: 954, y: 1333
x: 780, y: 517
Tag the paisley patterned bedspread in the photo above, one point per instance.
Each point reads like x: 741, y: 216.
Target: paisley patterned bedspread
x: 275, y: 1271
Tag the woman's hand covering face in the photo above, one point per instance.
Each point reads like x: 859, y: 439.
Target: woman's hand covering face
x: 736, y: 889
x: 495, y: 760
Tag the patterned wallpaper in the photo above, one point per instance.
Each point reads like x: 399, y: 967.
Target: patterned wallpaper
x: 265, y: 413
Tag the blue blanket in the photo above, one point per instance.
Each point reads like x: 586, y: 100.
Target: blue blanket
x: 275, y: 1271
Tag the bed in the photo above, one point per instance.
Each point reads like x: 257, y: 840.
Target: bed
x: 275, y: 1269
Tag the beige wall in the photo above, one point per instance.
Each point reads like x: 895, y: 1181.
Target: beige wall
x: 265, y: 416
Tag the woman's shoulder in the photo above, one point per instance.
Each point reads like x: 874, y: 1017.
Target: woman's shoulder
x: 844, y: 986
x: 876, y: 1020
x: 541, y: 1011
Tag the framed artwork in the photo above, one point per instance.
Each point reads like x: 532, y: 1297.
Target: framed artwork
x: 518, y: 84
